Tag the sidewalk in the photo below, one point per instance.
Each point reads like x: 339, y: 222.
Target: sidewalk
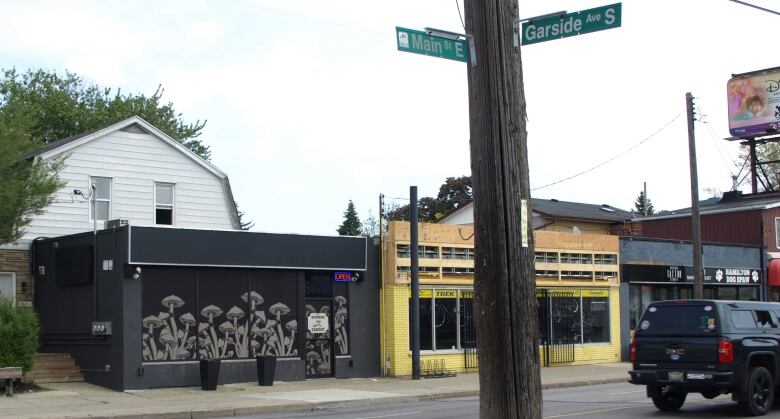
x: 77, y: 400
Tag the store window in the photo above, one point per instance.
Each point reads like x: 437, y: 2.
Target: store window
x: 462, y: 253
x: 446, y: 319
x: 574, y: 315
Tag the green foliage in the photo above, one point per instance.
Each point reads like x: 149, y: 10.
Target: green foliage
x: 59, y: 106
x: 27, y: 187
x: 453, y: 194
x: 351, y: 225
x: 18, y: 336
x: 643, y: 206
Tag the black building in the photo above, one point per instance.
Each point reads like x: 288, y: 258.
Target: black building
x: 138, y: 307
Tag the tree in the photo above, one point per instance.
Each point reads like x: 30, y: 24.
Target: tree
x: 63, y: 105
x: 243, y: 222
x: 370, y: 225
x: 27, y: 187
x: 643, y: 206
x: 351, y: 225
x: 453, y: 194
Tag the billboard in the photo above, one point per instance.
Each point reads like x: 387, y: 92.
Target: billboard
x: 754, y: 103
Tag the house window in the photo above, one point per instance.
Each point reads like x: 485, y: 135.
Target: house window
x: 581, y: 258
x: 605, y: 259
x: 403, y: 251
x: 102, y: 198
x: 464, y: 253
x: 547, y: 257
x: 777, y: 232
x: 429, y: 252
x: 7, y: 287
x: 163, y: 203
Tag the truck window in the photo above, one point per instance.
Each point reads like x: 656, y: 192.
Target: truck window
x: 742, y: 319
x: 680, y: 318
x: 764, y: 319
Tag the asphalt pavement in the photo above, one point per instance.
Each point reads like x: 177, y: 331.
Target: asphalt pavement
x: 82, y: 400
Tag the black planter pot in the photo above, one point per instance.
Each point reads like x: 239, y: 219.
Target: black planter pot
x: 209, y: 373
x: 266, y: 366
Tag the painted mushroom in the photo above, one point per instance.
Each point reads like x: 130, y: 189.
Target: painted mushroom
x: 279, y: 310
x: 227, y: 328
x: 292, y: 326
x: 254, y: 297
x: 234, y: 314
x: 172, y: 301
x: 188, y: 320
x: 312, y: 357
x: 310, y: 309
x: 211, y: 311
x: 152, y: 322
x: 167, y: 339
x: 340, y: 300
x: 259, y: 314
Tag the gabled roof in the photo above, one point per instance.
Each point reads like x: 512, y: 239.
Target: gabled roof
x: 732, y: 201
x: 69, y: 143
x: 579, y: 211
x: 566, y: 210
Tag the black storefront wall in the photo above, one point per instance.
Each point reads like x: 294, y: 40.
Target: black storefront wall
x: 675, y: 274
x: 203, y: 294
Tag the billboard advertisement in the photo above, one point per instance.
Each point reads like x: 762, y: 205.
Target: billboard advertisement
x: 754, y: 103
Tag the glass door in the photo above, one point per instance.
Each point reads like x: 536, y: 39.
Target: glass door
x: 318, y: 354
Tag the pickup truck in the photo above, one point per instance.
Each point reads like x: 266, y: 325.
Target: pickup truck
x: 710, y: 347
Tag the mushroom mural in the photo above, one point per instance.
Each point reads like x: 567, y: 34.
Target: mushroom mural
x: 240, y: 332
x: 340, y: 325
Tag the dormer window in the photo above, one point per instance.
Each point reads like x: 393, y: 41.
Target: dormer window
x: 163, y: 203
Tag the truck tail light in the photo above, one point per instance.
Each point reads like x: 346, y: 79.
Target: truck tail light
x: 632, y: 349
x: 725, y: 352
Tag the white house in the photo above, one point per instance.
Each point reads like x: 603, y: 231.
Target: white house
x: 130, y: 171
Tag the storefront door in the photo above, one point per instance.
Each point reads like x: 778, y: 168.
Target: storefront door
x: 319, y: 321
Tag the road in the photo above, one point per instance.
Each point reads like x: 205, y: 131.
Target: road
x: 607, y: 401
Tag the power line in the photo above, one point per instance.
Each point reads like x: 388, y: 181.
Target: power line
x: 460, y: 15
x: 613, y: 158
x: 754, y: 6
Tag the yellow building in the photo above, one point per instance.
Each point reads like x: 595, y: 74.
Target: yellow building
x: 577, y: 290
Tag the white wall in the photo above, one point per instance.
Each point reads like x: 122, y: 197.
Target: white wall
x: 134, y: 162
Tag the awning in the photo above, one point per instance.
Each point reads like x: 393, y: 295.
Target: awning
x: 774, y: 272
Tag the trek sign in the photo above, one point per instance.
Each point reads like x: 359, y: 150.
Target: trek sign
x: 571, y: 24
x: 418, y: 42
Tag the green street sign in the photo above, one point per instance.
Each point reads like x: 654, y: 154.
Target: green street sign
x: 571, y: 24
x: 418, y: 42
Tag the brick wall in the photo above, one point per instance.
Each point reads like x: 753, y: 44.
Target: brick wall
x: 18, y: 262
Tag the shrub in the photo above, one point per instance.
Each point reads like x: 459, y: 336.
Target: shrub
x: 18, y: 335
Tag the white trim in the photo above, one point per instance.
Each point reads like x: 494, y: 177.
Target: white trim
x: 777, y: 233
x: 172, y: 205
x: 13, y: 286
x: 110, y: 198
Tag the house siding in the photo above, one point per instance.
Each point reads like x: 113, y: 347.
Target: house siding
x: 134, y: 162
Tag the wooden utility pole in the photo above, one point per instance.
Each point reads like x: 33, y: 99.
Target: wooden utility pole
x: 698, y: 270
x: 504, y: 284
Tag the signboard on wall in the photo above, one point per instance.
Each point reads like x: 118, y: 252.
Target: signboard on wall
x: 318, y: 323
x: 754, y: 103
x: 684, y: 274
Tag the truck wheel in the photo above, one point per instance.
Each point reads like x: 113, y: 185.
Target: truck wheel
x: 669, y: 402
x: 759, y: 392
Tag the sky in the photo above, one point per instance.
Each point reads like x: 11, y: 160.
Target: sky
x: 310, y: 104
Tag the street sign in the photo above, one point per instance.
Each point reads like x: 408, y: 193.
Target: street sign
x: 418, y: 42
x: 571, y: 24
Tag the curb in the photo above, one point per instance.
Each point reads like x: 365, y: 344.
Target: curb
x: 313, y: 406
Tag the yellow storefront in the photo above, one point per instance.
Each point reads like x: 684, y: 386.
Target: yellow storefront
x: 577, y: 291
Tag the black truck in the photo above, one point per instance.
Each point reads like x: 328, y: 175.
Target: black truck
x: 710, y: 347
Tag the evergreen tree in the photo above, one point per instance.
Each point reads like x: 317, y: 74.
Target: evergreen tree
x: 351, y: 225
x: 643, y: 206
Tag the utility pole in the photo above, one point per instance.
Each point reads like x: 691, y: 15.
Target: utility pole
x: 698, y: 285
x: 504, y: 278
x: 413, y: 249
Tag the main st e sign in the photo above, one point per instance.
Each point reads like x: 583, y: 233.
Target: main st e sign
x: 571, y: 24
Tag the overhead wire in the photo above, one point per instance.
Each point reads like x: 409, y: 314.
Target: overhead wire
x: 612, y: 158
